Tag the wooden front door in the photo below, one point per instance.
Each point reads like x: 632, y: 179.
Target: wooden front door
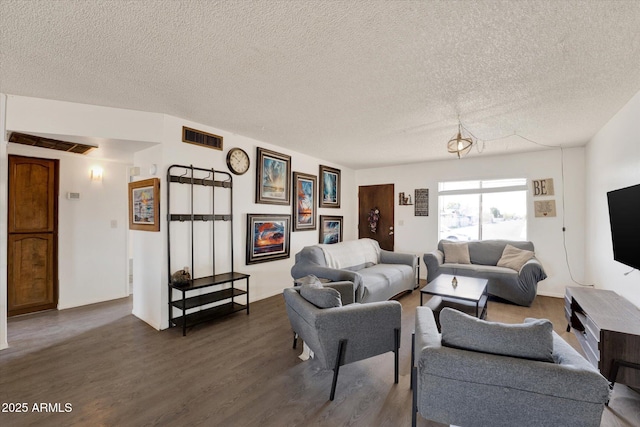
x: 32, y: 281
x: 378, y: 197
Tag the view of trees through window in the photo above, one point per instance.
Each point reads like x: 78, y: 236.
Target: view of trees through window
x: 481, y: 210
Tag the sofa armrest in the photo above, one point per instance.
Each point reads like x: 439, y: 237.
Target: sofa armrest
x: 433, y: 261
x: 346, y: 289
x: 389, y: 257
x: 532, y: 270
x: 333, y: 274
x: 426, y: 331
x: 368, y: 329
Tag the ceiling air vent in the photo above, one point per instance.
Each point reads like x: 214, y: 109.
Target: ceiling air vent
x: 53, y: 144
x: 198, y: 137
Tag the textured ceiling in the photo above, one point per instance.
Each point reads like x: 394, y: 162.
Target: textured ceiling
x: 359, y: 83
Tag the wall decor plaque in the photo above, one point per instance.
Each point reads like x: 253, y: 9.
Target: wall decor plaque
x: 421, y: 200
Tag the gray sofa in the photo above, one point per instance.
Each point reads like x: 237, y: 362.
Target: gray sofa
x: 519, y: 287
x: 460, y: 386
x: 377, y: 274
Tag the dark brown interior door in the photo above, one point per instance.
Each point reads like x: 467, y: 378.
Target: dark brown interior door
x: 32, y: 283
x: 378, y: 197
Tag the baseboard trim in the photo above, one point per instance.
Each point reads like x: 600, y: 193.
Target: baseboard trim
x: 551, y: 294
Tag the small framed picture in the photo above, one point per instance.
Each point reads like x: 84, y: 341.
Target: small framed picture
x: 273, y: 177
x: 268, y: 237
x: 304, y: 201
x: 329, y: 187
x: 144, y: 205
x: 330, y: 229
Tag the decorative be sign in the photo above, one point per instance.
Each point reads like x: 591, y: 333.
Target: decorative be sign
x: 542, y: 187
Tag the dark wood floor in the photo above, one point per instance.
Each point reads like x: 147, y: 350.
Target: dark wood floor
x: 115, y: 370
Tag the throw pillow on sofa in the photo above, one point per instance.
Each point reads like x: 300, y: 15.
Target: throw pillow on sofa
x: 530, y: 340
x: 313, y: 291
x: 456, y: 253
x: 514, y: 258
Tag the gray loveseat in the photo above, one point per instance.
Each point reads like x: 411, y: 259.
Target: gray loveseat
x: 453, y: 384
x: 519, y: 287
x: 377, y: 274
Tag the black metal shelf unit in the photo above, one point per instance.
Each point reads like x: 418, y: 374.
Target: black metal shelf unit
x: 206, y: 290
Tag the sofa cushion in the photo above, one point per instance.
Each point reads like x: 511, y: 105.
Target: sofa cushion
x: 457, y: 253
x: 488, y: 252
x: 313, y: 291
x: 382, y: 281
x: 530, y: 340
x: 514, y: 258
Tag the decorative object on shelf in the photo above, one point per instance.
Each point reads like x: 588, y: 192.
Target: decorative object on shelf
x: 273, y: 177
x: 373, y: 218
x: 304, y: 201
x: 421, y: 202
x: 543, y: 187
x: 454, y: 282
x: 329, y: 196
x: 404, y: 200
x: 268, y: 237
x: 144, y: 205
x: 461, y: 143
x: 330, y: 229
x: 181, y: 277
x: 238, y: 161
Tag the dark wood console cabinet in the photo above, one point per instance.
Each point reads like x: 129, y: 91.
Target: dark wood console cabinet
x: 608, y: 329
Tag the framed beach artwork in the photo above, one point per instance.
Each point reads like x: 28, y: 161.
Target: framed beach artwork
x: 329, y: 187
x: 144, y: 205
x: 268, y: 237
x: 330, y: 229
x: 304, y: 201
x: 273, y: 177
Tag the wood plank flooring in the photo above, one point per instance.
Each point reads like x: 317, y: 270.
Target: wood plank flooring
x: 115, y: 370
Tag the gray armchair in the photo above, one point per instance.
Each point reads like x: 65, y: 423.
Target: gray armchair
x: 480, y: 388
x: 341, y: 335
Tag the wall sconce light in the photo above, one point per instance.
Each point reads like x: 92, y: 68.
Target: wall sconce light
x: 96, y: 173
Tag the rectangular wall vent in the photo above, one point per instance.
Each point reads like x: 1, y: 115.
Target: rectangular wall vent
x: 193, y: 136
x: 52, y: 144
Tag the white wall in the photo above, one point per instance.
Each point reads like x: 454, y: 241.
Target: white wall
x: 36, y: 115
x: 149, y: 252
x: 420, y: 234
x: 612, y: 162
x: 92, y: 231
x: 267, y: 279
x: 93, y: 256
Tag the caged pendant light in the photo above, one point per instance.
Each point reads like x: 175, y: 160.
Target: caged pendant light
x: 461, y: 143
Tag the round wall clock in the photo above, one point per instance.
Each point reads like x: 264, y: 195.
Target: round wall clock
x: 237, y: 161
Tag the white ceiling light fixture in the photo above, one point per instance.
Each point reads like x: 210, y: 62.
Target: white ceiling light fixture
x: 461, y: 143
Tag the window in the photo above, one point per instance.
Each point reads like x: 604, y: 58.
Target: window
x: 481, y: 210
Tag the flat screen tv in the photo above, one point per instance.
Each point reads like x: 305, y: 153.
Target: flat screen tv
x: 624, y: 215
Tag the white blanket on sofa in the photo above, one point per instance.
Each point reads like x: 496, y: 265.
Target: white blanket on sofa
x: 352, y: 253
